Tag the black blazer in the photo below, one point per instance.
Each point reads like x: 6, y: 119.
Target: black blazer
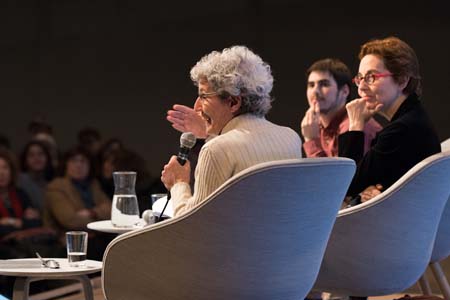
x: 408, y: 139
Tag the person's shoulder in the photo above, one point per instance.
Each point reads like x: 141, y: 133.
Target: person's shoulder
x: 217, y: 143
x: 291, y: 136
x: 269, y: 126
x: 414, y: 119
x: 58, y: 183
x: 395, y: 131
x: 225, y: 142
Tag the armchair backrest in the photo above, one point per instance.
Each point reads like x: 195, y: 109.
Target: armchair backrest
x: 441, y: 247
x: 261, y: 235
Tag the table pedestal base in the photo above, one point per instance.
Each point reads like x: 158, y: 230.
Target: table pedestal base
x: 22, y: 285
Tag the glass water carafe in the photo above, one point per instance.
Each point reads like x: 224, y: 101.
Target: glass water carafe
x: 125, y: 210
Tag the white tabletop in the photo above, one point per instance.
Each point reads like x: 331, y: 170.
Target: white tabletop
x: 107, y: 226
x: 158, y: 206
x: 32, y: 267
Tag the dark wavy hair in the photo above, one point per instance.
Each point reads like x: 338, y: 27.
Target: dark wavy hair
x: 71, y: 153
x: 49, y: 171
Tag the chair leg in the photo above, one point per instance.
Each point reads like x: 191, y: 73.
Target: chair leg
x: 441, y: 279
x: 425, y: 285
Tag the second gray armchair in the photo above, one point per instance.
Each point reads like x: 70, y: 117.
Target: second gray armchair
x: 384, y: 245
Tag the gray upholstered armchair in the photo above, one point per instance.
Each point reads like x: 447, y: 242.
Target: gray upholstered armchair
x: 384, y: 245
x: 261, y: 235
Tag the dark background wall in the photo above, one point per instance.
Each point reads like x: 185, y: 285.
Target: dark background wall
x: 119, y: 65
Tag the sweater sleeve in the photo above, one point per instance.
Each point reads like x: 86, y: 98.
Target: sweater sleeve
x: 209, y: 175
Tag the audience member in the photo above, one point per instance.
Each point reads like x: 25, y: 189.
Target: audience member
x: 388, y: 83
x: 234, y: 96
x: 108, y: 146
x: 104, y: 164
x: 105, y: 172
x: 40, y: 130
x: 37, y: 172
x: 16, y: 211
x: 76, y: 199
x: 327, y: 90
x: 21, y: 234
x: 90, y: 139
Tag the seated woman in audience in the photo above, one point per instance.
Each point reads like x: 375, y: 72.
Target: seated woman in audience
x: 388, y: 83
x: 37, y: 171
x: 104, y: 164
x: 40, y: 130
x: 21, y: 231
x: 110, y: 145
x: 16, y: 212
x: 76, y: 199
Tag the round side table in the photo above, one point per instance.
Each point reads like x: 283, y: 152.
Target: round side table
x: 29, y: 270
x: 107, y: 226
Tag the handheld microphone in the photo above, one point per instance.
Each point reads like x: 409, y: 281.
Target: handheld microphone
x: 187, y: 141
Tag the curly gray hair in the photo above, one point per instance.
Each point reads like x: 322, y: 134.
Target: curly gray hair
x: 237, y: 71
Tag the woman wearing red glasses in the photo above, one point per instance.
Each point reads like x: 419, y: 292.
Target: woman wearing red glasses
x: 389, y: 84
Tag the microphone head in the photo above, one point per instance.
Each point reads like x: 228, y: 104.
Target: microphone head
x: 187, y: 140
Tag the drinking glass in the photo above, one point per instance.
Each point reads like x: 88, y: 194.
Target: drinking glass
x: 155, y: 197
x: 76, y: 242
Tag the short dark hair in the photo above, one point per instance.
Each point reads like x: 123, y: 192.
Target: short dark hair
x: 88, y: 135
x: 109, y: 145
x: 39, y: 125
x: 399, y: 58
x: 340, y: 72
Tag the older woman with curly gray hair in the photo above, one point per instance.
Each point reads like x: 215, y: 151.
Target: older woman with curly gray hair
x: 233, y: 97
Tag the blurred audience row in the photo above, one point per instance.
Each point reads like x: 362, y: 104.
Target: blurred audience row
x: 44, y: 193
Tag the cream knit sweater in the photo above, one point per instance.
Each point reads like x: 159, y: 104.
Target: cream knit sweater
x: 245, y: 141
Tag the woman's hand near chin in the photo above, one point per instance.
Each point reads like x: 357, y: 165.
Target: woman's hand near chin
x: 360, y: 111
